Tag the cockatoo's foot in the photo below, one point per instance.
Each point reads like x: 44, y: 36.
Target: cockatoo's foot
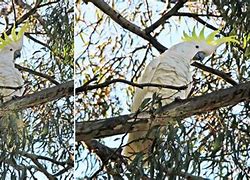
x: 178, y: 99
x: 15, y: 97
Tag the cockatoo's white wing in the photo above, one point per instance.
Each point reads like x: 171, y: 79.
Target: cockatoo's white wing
x: 145, y: 78
x: 167, y: 69
x: 10, y: 77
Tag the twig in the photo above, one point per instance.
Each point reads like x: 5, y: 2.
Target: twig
x: 37, y: 41
x: 23, y: 18
x: 40, y: 166
x: 188, y: 14
x: 85, y: 88
x: 14, y: 9
x: 48, y: 3
x: 11, y: 87
x: 21, y: 68
x: 188, y: 176
x: 166, y: 16
x: 141, y: 64
x: 205, y: 23
x: 118, y: 18
x: 135, y: 29
x: 221, y: 74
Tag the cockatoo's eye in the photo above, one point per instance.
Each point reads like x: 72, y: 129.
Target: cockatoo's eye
x: 11, y: 49
x: 197, y: 46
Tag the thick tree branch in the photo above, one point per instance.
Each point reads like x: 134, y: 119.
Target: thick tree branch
x: 118, y: 18
x: 177, y: 110
x: 165, y: 16
x: 37, y: 98
x: 88, y: 87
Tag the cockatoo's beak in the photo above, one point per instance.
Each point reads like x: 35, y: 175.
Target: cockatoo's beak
x: 199, y: 56
x: 17, y: 54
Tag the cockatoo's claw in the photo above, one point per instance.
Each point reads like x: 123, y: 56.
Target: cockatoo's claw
x: 178, y: 99
x: 15, y: 97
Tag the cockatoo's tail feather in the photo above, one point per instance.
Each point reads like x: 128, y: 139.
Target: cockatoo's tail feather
x: 13, y: 37
x: 210, y: 39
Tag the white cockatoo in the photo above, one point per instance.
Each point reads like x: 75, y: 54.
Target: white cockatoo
x: 11, y: 81
x: 171, y: 68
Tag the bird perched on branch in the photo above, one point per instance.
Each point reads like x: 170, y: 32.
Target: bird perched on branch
x: 11, y: 81
x: 170, y: 68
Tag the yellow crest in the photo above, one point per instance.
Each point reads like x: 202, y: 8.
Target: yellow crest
x: 13, y: 37
x: 210, y: 39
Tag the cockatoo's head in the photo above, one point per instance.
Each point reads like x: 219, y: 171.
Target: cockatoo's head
x: 197, y: 47
x: 10, y: 46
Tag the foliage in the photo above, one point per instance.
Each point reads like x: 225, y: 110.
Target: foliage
x: 212, y: 145
x: 46, y: 146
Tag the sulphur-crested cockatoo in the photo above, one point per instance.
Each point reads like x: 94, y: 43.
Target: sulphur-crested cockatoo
x: 170, y: 68
x: 11, y: 81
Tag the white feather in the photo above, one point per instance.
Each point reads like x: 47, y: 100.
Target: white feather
x: 170, y: 68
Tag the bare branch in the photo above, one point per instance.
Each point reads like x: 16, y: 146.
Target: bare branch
x: 118, y: 18
x: 10, y: 87
x: 165, y: 16
x: 221, y: 74
x: 205, y: 23
x: 177, y: 110
x: 172, y: 172
x: 24, y: 17
x: 104, y: 152
x: 41, y: 168
x: 21, y: 68
x: 86, y: 88
x: 188, y: 14
x: 37, y: 41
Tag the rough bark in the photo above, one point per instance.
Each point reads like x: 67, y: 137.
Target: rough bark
x: 41, y: 97
x: 177, y: 110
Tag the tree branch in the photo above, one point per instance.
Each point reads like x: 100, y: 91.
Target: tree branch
x: 104, y: 152
x: 221, y: 74
x: 86, y: 88
x: 37, y: 98
x: 51, y: 79
x: 118, y: 18
x: 188, y: 14
x: 177, y: 110
x: 165, y: 16
x: 205, y: 23
x: 40, y: 167
x: 23, y: 18
x: 188, y: 176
